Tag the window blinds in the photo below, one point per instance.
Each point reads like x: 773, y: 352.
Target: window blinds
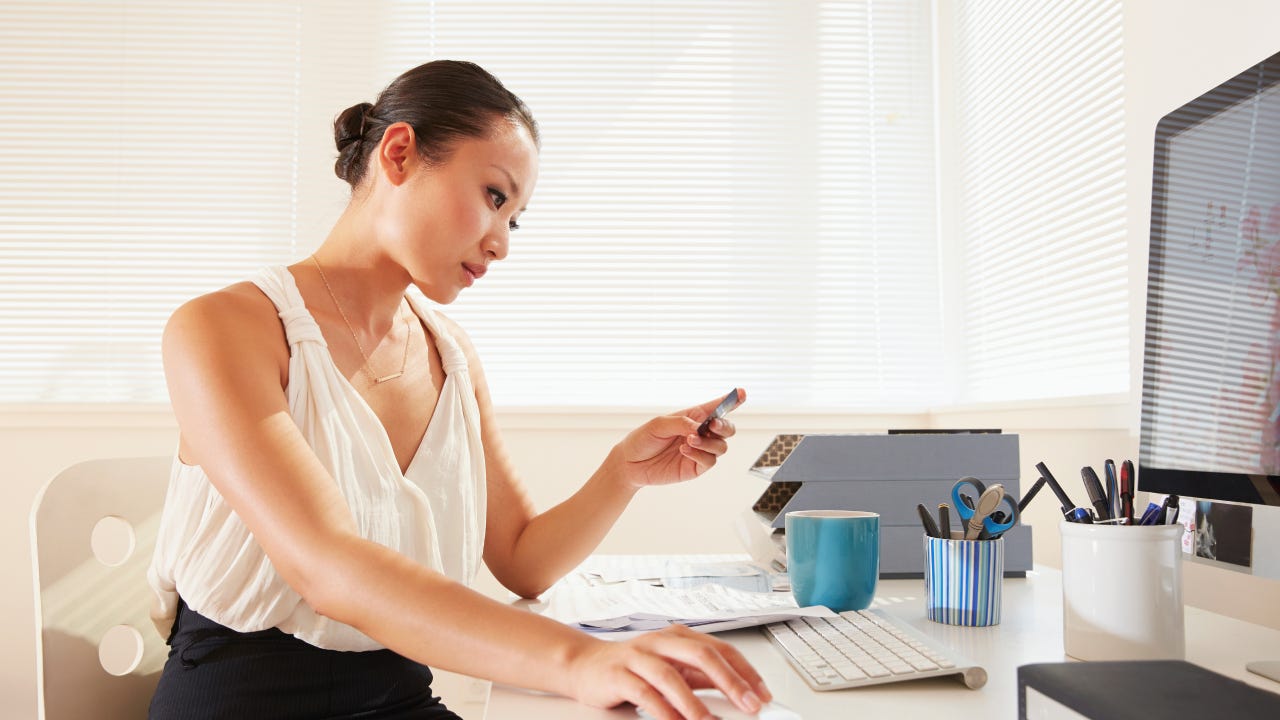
x: 1041, y: 198
x: 730, y: 193
x: 149, y: 156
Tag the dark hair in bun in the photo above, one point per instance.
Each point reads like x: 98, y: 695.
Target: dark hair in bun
x: 443, y: 101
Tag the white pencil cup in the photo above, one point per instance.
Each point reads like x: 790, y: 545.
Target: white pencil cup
x: 1122, y: 592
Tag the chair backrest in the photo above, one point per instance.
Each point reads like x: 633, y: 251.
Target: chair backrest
x: 93, y: 529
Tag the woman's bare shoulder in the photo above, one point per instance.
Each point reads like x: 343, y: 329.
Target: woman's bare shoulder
x: 238, y: 320
x: 241, y: 306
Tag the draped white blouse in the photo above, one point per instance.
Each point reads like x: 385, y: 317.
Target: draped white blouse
x: 434, y: 512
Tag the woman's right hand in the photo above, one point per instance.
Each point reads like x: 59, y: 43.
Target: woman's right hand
x: 657, y: 671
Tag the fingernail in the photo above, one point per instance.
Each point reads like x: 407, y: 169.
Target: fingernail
x: 764, y: 692
x: 751, y: 701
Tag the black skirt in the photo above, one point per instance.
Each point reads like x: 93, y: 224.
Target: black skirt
x: 215, y: 673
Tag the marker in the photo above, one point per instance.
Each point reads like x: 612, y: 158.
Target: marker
x: 1022, y: 504
x: 1097, y: 497
x: 944, y: 520
x: 930, y: 527
x: 1126, y: 490
x: 1067, y: 505
x: 1170, y: 509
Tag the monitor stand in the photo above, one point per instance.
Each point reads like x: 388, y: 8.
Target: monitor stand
x: 1269, y: 669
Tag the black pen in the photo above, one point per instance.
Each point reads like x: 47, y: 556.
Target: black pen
x: 1097, y: 496
x: 930, y: 527
x: 1022, y: 504
x: 944, y: 520
x: 1067, y: 505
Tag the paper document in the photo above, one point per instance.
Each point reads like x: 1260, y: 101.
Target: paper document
x: 625, y: 608
x: 620, y: 568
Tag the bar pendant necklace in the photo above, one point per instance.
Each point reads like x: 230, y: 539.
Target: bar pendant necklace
x: 368, y: 368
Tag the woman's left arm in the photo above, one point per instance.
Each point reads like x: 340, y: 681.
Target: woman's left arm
x: 527, y: 551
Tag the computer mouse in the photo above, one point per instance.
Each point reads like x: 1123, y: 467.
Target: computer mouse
x: 721, y: 707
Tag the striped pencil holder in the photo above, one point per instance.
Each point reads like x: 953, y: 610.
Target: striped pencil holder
x: 962, y: 580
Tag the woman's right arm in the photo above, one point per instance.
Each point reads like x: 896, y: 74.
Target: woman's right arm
x: 226, y: 385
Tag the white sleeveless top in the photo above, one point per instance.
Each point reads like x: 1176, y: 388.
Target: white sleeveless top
x: 434, y: 512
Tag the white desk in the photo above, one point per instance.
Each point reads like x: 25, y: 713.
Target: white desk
x: 1030, y: 631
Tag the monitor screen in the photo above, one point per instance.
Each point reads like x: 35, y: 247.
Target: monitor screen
x: 1211, y: 368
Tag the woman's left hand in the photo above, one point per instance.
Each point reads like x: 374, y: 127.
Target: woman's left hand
x: 668, y: 449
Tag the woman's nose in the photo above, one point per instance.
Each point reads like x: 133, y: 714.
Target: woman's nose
x: 496, y: 243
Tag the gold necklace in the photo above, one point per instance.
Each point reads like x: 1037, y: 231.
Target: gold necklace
x: 367, y: 369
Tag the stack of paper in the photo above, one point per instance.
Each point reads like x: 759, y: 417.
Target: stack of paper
x: 679, y: 571
x: 617, y: 597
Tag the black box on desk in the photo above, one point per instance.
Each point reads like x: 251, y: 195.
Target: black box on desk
x: 889, y: 474
x: 1136, y: 690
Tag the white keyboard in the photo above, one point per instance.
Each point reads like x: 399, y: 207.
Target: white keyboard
x: 866, y: 647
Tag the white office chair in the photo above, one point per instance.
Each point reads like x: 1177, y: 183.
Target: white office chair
x: 98, y: 655
x: 93, y: 528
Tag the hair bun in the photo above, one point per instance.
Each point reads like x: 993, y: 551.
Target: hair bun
x: 348, y: 132
x: 349, y: 127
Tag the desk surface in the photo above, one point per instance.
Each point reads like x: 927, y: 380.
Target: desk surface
x: 1030, y: 631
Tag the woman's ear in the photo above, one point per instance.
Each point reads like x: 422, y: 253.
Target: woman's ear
x: 397, y: 152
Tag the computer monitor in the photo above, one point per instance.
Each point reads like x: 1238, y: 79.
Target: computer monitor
x: 1211, y: 369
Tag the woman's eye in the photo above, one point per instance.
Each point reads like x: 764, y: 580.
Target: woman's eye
x: 498, y: 198
x: 513, y: 225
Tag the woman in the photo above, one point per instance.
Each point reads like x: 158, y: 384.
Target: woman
x: 340, y: 473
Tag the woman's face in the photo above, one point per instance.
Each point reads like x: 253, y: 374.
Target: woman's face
x: 448, y: 222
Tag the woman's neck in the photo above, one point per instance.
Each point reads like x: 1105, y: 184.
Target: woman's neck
x: 350, y: 269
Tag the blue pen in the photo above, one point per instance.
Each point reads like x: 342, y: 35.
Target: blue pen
x: 1080, y: 515
x: 1150, y: 515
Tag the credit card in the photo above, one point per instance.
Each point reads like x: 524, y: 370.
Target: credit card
x: 730, y: 401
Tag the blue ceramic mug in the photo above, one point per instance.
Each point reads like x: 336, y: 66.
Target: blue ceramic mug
x: 833, y: 557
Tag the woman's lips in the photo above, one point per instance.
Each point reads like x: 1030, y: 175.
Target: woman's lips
x: 474, y: 272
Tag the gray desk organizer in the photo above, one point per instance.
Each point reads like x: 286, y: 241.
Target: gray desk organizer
x: 889, y: 474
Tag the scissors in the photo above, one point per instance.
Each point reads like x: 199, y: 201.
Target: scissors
x: 989, y: 500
